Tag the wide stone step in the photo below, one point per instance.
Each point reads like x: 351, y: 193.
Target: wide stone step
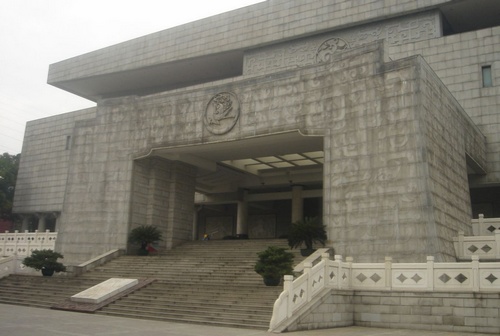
x: 193, y: 312
x: 252, y: 324
x: 196, y: 281
x: 208, y: 292
x: 27, y: 302
x: 183, y: 292
x: 220, y: 305
x: 227, y: 300
x: 209, y: 310
x: 212, y: 283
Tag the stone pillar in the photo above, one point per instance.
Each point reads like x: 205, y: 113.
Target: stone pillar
x: 179, y: 203
x: 41, y: 222
x: 26, y: 223
x: 57, y: 216
x: 242, y: 215
x: 297, y: 203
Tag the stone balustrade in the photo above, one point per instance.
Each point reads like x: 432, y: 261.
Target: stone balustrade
x: 485, y: 247
x: 316, y: 281
x: 7, y: 266
x: 485, y: 226
x: 23, y: 243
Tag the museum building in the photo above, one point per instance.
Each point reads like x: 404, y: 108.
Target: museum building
x: 380, y: 117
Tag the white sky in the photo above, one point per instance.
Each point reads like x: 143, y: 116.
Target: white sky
x: 36, y: 33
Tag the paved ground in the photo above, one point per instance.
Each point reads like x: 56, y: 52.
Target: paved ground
x: 25, y: 321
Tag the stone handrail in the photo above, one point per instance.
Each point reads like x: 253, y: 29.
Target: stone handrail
x: 336, y: 274
x: 313, y: 259
x: 14, y: 265
x: 485, y: 226
x: 94, y: 262
x: 7, y: 266
x: 485, y: 247
x: 23, y: 243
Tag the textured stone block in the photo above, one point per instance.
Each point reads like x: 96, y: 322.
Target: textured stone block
x: 104, y: 290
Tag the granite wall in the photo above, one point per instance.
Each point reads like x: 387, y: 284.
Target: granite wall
x: 381, y: 194
x: 451, y: 312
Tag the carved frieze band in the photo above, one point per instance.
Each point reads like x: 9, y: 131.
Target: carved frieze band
x: 320, y: 48
x: 330, y: 47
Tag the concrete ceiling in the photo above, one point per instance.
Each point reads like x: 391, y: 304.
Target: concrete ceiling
x: 464, y: 16
x: 229, y: 166
x: 162, y: 77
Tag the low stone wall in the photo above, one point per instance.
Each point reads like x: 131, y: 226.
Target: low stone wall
x: 76, y: 270
x: 460, y: 312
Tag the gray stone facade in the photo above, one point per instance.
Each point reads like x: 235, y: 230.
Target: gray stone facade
x: 453, y: 312
x: 375, y: 110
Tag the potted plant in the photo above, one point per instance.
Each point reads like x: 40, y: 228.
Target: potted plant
x: 273, y: 263
x: 45, y: 261
x: 145, y: 236
x: 307, y: 232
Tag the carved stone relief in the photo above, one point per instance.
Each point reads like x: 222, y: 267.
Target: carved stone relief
x: 262, y: 226
x: 320, y: 48
x: 222, y: 113
x: 330, y: 47
x: 219, y: 227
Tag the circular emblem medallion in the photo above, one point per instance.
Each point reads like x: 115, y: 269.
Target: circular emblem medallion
x: 330, y: 47
x: 222, y: 113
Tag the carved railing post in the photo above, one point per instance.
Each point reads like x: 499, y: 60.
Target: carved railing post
x: 497, y: 243
x: 349, y: 261
x: 338, y: 259
x: 475, y: 273
x: 325, y: 257
x: 388, y: 273
x: 461, y: 239
x: 477, y: 229
x: 430, y: 272
x: 288, y: 286
x: 309, y: 289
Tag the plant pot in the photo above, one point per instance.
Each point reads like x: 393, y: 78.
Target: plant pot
x: 307, y: 252
x: 47, y: 272
x: 272, y: 281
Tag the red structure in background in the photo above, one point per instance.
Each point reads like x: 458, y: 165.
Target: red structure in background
x: 6, y: 225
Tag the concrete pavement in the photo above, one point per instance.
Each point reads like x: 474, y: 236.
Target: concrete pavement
x: 27, y: 321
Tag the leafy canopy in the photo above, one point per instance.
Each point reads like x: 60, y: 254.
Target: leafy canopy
x: 307, y: 231
x: 274, y: 262
x: 144, y: 234
x: 9, y: 165
x: 44, y: 259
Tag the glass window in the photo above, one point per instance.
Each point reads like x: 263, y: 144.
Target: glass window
x: 68, y: 142
x: 487, y: 78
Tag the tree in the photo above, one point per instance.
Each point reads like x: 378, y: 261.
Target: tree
x: 9, y: 165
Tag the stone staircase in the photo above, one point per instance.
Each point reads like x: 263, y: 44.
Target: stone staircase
x: 208, y: 282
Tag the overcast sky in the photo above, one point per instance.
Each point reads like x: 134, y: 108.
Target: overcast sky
x: 36, y: 33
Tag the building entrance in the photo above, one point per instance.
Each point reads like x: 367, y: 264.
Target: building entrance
x: 254, y: 187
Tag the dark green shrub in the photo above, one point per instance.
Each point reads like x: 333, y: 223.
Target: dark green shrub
x: 307, y: 231
x: 144, y: 235
x: 45, y: 259
x: 274, y: 263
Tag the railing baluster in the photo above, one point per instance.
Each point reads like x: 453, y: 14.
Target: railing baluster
x: 288, y: 286
x: 388, y: 273
x: 22, y: 243
x: 309, y: 289
x: 475, y: 273
x: 497, y: 244
x: 430, y: 273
